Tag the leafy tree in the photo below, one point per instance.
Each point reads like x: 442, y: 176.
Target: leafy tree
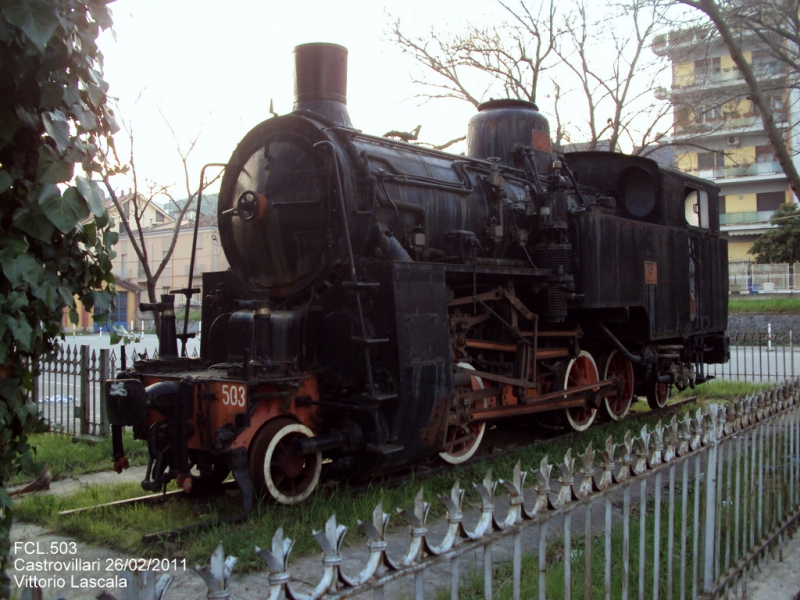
x: 54, y: 236
x: 782, y: 244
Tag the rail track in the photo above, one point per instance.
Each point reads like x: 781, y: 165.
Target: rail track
x: 494, y: 449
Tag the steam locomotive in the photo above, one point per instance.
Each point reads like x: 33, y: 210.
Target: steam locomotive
x: 386, y: 301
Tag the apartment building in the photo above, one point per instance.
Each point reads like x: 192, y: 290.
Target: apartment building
x: 718, y: 133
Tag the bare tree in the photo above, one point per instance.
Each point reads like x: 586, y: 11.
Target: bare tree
x: 132, y: 217
x: 775, y: 24
x: 508, y: 59
x: 616, y: 84
x: 587, y: 53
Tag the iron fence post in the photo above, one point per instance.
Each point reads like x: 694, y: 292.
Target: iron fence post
x: 83, y: 374
x: 104, y: 375
x: 37, y: 372
x: 711, y: 503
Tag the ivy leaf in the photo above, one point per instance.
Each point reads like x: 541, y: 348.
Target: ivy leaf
x: 5, y: 181
x: 47, y: 292
x: 50, y: 169
x: 6, y: 32
x: 52, y: 94
x: 67, y: 297
x: 101, y: 14
x: 8, y: 126
x: 96, y: 96
x: 32, y: 223
x: 22, y: 331
x: 63, y: 211
x: 20, y: 269
x: 101, y: 300
x: 56, y: 126
x: 90, y: 191
x: 12, y: 245
x: 37, y: 19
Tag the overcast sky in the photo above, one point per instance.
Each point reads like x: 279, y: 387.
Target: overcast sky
x: 211, y: 68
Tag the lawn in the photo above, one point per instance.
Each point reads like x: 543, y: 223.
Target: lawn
x: 765, y: 306
x: 71, y: 456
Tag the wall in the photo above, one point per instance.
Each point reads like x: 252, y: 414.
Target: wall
x: 738, y: 250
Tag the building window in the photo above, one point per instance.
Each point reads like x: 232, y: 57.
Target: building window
x: 706, y: 114
x: 710, y: 160
x: 765, y: 154
x: 159, y: 217
x: 722, y: 205
x: 707, y: 69
x: 770, y: 200
x: 765, y: 64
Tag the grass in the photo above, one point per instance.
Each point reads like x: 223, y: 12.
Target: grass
x: 121, y: 528
x: 69, y: 457
x: 719, y: 390
x: 195, y: 314
x: 768, y: 306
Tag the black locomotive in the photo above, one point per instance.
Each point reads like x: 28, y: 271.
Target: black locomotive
x: 386, y: 301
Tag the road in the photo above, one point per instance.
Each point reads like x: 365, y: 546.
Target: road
x: 149, y: 343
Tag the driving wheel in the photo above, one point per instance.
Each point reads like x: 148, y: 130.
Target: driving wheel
x: 618, y: 405
x: 461, y: 442
x: 278, y: 468
x: 580, y: 371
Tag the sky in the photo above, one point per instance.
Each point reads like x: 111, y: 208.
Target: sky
x: 210, y: 69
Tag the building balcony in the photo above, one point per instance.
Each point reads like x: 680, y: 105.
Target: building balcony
x: 751, y: 170
x: 724, y: 81
x: 733, y: 128
x: 758, y: 217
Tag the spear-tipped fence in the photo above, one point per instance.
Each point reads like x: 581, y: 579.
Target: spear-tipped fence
x: 732, y: 493
x: 70, y: 386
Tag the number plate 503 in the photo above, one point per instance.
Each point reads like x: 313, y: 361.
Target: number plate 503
x: 234, y: 395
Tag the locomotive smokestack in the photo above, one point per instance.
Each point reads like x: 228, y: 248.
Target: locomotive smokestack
x: 320, y: 81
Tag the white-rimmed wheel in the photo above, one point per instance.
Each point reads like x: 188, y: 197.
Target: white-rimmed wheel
x: 657, y: 393
x: 461, y: 442
x: 580, y: 371
x: 276, y: 465
x: 617, y: 405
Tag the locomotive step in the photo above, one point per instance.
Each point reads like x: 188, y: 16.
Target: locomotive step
x: 360, y: 284
x: 384, y: 448
x: 380, y: 397
x: 361, y: 340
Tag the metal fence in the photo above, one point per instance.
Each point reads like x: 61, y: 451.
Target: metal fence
x: 70, y: 387
x: 749, y: 277
x: 760, y: 357
x: 683, y: 510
